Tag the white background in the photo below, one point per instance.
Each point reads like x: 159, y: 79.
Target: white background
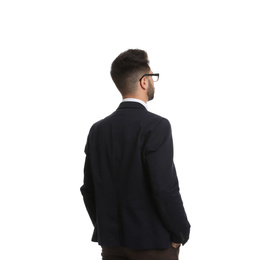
x: 219, y: 64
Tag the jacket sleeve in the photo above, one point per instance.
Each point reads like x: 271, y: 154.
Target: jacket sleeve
x: 87, y: 189
x: 164, y: 182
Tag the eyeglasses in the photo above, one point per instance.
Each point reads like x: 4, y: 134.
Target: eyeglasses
x: 155, y: 76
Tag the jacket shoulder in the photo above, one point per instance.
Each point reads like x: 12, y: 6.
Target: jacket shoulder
x: 100, y: 122
x: 155, y: 116
x: 159, y: 120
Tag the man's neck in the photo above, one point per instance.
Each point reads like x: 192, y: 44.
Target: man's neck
x: 139, y: 97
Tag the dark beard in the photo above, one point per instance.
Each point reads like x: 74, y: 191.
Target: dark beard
x: 151, y: 91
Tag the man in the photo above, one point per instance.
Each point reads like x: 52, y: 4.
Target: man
x: 130, y: 188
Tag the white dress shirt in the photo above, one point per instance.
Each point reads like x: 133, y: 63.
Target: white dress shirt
x: 135, y: 100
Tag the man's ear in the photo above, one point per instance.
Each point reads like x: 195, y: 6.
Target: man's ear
x: 144, y: 83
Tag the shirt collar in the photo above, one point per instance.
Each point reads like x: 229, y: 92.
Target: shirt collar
x: 135, y: 100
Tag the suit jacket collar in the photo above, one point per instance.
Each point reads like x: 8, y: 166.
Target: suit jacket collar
x: 131, y: 104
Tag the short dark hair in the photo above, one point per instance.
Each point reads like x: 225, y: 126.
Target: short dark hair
x: 127, y: 69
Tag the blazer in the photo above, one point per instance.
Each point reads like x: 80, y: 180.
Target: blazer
x: 130, y: 188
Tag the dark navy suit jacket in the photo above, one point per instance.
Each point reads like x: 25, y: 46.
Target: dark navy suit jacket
x: 130, y: 188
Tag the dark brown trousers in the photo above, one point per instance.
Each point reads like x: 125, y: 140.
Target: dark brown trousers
x: 122, y: 253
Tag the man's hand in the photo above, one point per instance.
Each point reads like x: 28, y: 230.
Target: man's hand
x: 175, y: 245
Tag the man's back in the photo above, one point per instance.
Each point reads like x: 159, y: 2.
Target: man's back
x: 132, y: 192
x: 130, y: 188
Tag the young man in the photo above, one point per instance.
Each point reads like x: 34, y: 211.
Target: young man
x: 130, y: 188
